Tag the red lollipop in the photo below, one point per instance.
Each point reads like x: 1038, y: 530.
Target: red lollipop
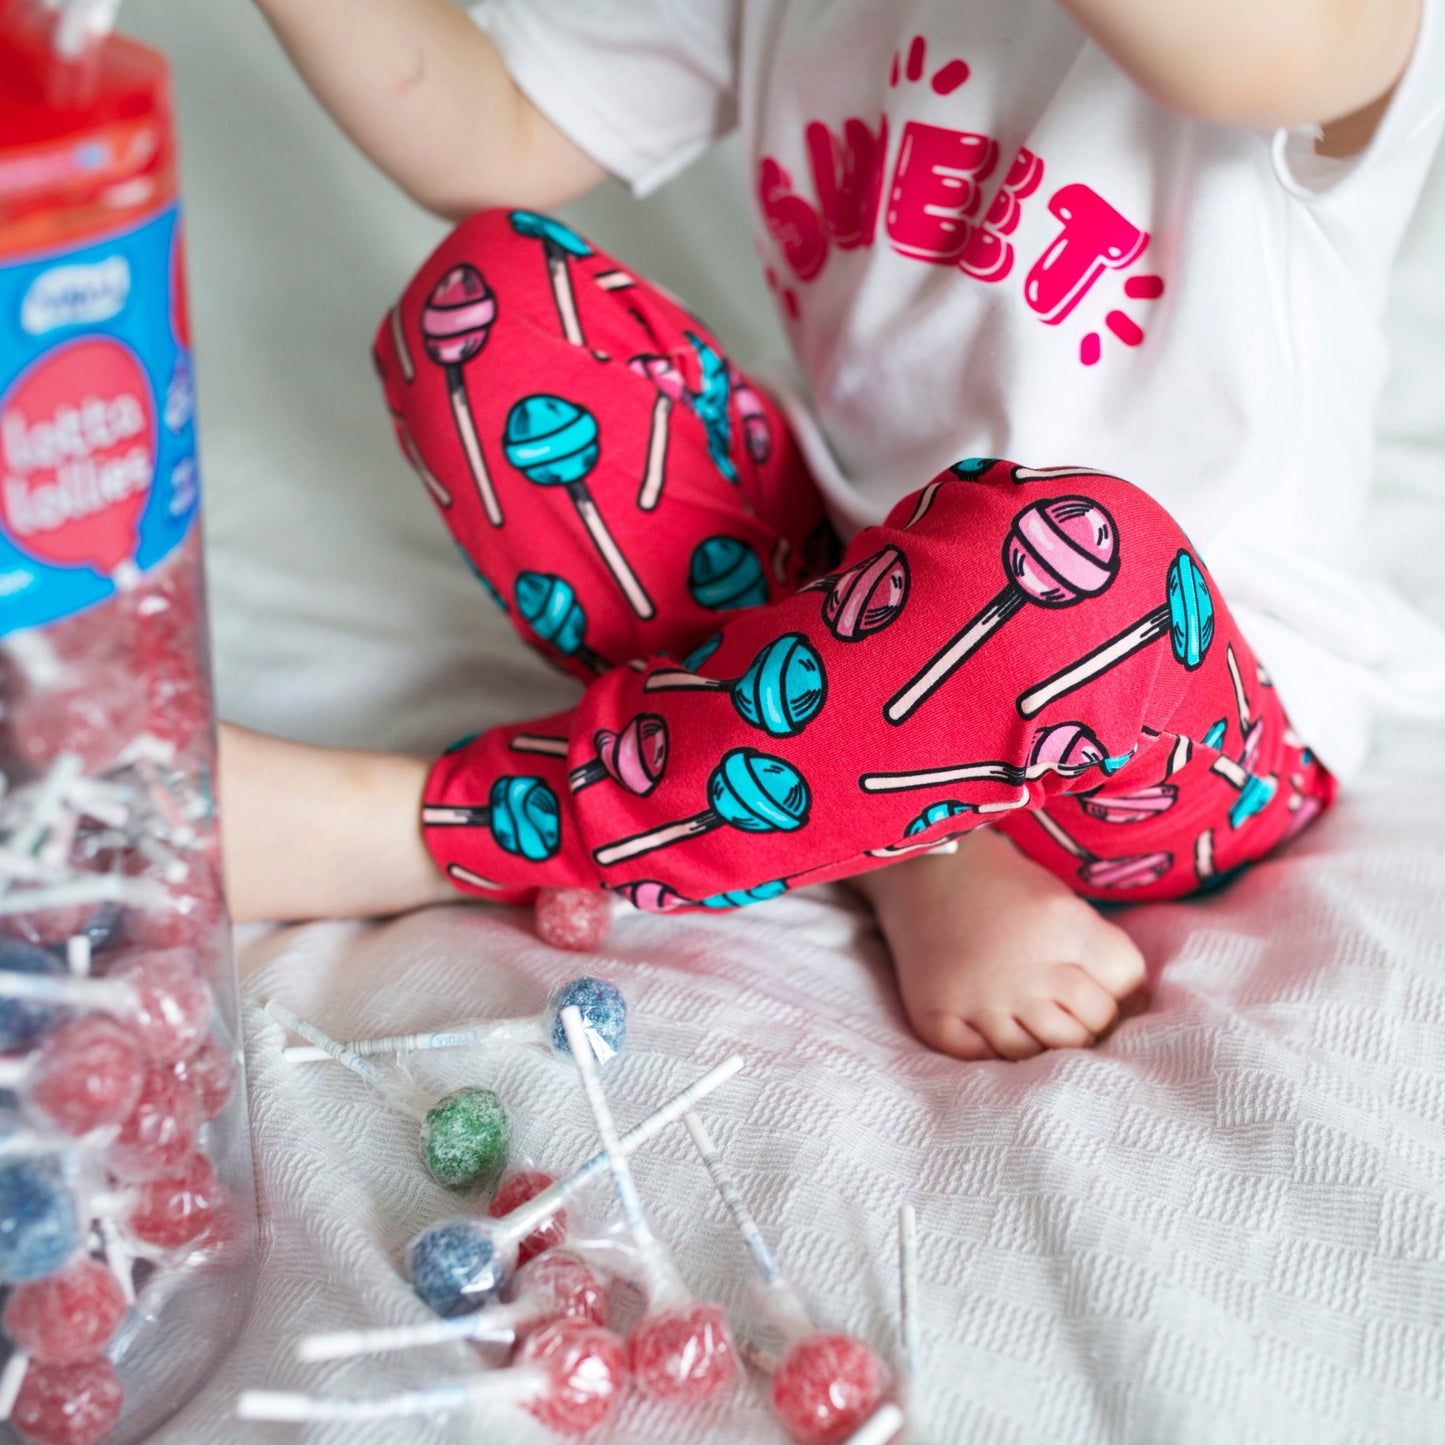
x: 171, y: 1213
x: 557, y: 1285
x: 573, y: 918
x: 161, y: 1132
x: 515, y: 1190
x: 67, y: 1317
x: 586, y: 1367
x: 682, y: 1355
x: 211, y: 1072
x: 87, y: 1074
x: 68, y: 1404
x: 826, y: 1387
x: 175, y: 1003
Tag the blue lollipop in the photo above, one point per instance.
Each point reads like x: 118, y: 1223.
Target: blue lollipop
x: 21, y: 1022
x: 457, y: 1267
x: 936, y: 813
x: 522, y: 814
x: 711, y: 406
x: 702, y: 652
x: 726, y: 573
x: 558, y: 242
x: 782, y: 691
x: 603, y: 1010
x: 555, y: 443
x: 741, y: 897
x: 748, y: 790
x: 39, y: 1228
x: 1255, y: 793
x: 1186, y: 618
x: 550, y: 605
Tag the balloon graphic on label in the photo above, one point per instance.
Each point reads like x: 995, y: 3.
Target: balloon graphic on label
x: 78, y: 455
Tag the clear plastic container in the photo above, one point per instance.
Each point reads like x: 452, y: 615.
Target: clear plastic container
x: 126, y: 1189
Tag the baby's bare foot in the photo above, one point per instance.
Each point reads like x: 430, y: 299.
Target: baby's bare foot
x: 996, y: 957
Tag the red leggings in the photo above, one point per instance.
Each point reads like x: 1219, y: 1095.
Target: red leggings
x: 1039, y: 651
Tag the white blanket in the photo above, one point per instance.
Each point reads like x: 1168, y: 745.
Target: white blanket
x: 1225, y: 1223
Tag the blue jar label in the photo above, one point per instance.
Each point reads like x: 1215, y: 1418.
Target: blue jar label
x: 97, y: 435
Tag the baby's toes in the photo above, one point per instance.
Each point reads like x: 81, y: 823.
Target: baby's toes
x: 950, y: 1034
x: 1053, y: 1026
x: 1008, y: 1038
x: 1113, y: 959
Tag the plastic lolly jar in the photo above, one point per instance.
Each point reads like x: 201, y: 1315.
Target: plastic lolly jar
x: 126, y: 1196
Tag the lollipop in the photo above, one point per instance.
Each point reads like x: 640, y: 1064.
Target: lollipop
x: 724, y: 573
x: 604, y: 1014
x: 510, y: 1386
x: 558, y: 242
x: 668, y: 380
x: 523, y: 816
x: 465, y: 1135
x: 936, y: 813
x: 160, y: 1133
x: 866, y: 598
x: 907, y: 1297
x: 22, y: 1021
x: 554, y: 443
x: 634, y: 758
x: 75, y: 1404
x: 455, y: 323
x: 1136, y: 871
x: 513, y: 1192
x: 1056, y: 554
x: 710, y: 404
x: 1186, y: 618
x: 461, y: 1264
x: 550, y: 605
x: 681, y: 1350
x: 782, y: 691
x: 825, y: 1384
x: 748, y: 790
x: 1068, y: 749
x: 39, y: 1226
x: 1134, y: 807
x: 554, y: 1286
x: 1255, y: 793
x: 576, y: 919
x: 757, y: 434
x: 85, y: 1075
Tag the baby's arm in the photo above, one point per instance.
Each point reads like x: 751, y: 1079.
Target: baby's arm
x: 424, y: 93
x: 311, y: 832
x: 1258, y: 63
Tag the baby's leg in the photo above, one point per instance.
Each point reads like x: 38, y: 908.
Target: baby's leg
x: 615, y: 483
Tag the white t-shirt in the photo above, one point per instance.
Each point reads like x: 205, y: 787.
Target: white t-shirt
x: 988, y: 241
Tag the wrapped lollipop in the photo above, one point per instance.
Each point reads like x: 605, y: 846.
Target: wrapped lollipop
x: 1057, y: 554
x: 465, y: 1135
x: 554, y: 443
x: 41, y: 1220
x: 553, y: 1286
x: 87, y: 1074
x: 866, y: 598
x: 783, y: 689
x: 455, y: 324
x: 559, y: 241
x: 461, y: 1264
x: 826, y: 1384
x: 604, y: 1016
x: 748, y: 790
x: 75, y: 1404
x: 1136, y: 871
x: 1186, y: 618
x: 681, y: 1350
x: 576, y: 919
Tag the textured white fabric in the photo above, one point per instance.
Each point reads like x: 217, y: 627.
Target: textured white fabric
x: 1225, y: 1224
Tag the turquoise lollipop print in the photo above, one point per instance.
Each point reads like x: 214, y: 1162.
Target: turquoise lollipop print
x: 455, y: 324
x: 1255, y: 793
x: 725, y: 573
x: 748, y: 790
x: 555, y: 443
x: 1186, y: 618
x: 558, y: 243
x: 782, y: 691
x: 550, y: 606
x: 522, y: 814
x: 710, y: 405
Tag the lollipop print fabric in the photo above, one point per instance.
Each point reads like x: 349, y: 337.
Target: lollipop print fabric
x: 1033, y: 648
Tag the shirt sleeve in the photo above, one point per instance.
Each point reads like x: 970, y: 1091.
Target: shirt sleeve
x: 642, y: 86
x: 1408, y: 131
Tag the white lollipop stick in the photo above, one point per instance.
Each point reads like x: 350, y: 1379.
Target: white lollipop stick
x: 651, y: 488
x: 552, y: 747
x: 882, y: 1427
x: 659, y: 1278
x: 77, y: 955
x: 343, y: 1344
x: 907, y: 1302
x: 1241, y: 702
x: 945, y: 663
x: 406, y: 1097
x: 617, y: 564
x: 1148, y: 629
x: 440, y: 494
x: 532, y: 1030
x: 511, y: 1386
x: 933, y: 777
x: 790, y: 1316
x: 1062, y: 838
x: 12, y: 1378
x: 398, y: 339
x: 43, y: 811
x: 1204, y: 855
x: 112, y: 996
x: 95, y: 888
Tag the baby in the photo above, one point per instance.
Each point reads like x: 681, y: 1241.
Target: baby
x: 1024, y: 249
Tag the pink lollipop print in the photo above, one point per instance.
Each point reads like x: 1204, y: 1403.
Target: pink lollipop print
x: 866, y: 598
x: 634, y: 758
x: 455, y: 323
x: 1056, y: 554
x: 757, y: 436
x: 670, y: 388
x: 1136, y: 807
x: 1133, y: 872
x: 1065, y: 748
